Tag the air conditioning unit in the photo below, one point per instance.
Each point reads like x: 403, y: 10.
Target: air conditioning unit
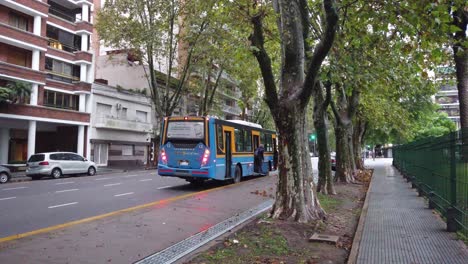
x: 118, y: 106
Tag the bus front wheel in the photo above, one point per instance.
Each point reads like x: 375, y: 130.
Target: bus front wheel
x: 237, y: 174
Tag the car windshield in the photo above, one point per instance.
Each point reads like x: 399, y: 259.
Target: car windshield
x: 36, y: 158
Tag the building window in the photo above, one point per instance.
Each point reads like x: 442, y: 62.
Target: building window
x: 63, y: 40
x: 18, y: 21
x: 62, y: 71
x: 18, y: 56
x: 123, y: 113
x: 103, y: 109
x: 127, y: 150
x: 142, y: 116
x: 61, y: 100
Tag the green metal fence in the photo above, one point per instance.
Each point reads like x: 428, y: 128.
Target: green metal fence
x: 438, y: 168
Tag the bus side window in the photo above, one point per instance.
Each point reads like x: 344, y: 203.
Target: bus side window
x: 219, y: 138
x: 239, y: 139
x: 248, y: 141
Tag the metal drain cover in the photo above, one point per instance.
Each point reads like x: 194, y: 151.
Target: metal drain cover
x: 184, y: 247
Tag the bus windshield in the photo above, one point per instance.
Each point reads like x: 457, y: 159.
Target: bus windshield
x: 185, y: 130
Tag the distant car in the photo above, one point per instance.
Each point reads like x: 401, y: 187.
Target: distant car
x: 57, y: 164
x: 5, y: 174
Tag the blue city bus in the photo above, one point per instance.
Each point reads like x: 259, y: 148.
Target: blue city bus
x: 201, y: 148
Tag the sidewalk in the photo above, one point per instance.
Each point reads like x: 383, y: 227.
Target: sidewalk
x: 399, y: 228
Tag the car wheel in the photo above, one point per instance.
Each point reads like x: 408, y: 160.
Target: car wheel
x: 56, y: 173
x: 91, y: 171
x: 4, y: 177
x: 237, y: 174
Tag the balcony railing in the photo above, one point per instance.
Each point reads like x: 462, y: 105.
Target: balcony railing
x: 60, y: 14
x: 53, y: 43
x: 62, y: 77
x: 111, y: 122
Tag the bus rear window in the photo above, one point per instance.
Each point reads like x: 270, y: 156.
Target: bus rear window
x: 185, y: 130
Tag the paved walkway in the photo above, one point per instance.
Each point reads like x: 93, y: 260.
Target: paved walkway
x: 400, y: 229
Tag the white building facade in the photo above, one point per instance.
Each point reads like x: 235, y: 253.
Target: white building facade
x: 121, y: 129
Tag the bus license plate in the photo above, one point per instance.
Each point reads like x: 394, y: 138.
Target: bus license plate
x: 183, y: 163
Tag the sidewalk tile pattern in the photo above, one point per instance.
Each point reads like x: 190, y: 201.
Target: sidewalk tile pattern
x: 400, y: 229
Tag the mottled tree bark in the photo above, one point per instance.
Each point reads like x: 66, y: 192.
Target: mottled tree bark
x: 325, y: 180
x: 295, y: 197
x: 344, y: 109
x: 359, y: 131
x: 461, y: 61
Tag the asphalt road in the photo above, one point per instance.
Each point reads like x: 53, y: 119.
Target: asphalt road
x: 27, y: 206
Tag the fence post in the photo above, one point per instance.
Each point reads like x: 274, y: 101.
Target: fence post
x: 431, y: 200
x: 452, y: 225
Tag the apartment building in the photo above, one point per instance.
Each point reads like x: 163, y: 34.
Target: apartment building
x: 45, y: 44
x: 447, y: 96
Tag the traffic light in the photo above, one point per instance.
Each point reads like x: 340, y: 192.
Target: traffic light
x: 312, y: 137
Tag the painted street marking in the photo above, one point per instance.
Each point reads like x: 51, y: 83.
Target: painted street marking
x: 61, y: 183
x: 8, y: 198
x: 112, y: 184
x: 61, y: 205
x: 122, y: 194
x: 100, y: 179
x: 146, y: 180
x: 69, y: 190
x: 134, y: 175
x: 15, y: 188
x: 164, y: 187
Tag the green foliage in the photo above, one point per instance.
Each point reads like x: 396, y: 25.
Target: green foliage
x: 14, y: 92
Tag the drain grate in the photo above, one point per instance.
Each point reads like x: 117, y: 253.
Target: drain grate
x: 184, y: 247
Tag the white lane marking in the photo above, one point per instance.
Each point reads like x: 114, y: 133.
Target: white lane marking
x: 60, y: 205
x: 61, y: 183
x: 112, y: 184
x: 133, y: 175
x: 7, y: 198
x: 164, y: 187
x: 122, y: 194
x: 69, y: 190
x: 15, y: 188
x: 100, y: 179
x: 146, y: 180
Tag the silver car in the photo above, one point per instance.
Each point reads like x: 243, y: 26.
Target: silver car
x: 57, y: 164
x: 4, y: 174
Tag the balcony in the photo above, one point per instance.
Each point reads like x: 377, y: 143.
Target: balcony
x: 15, y: 72
x: 75, y: 26
x: 20, y: 38
x: 77, y: 86
x: 110, y: 122
x: 69, y: 53
x: 30, y: 7
x: 234, y: 110
x: 44, y: 112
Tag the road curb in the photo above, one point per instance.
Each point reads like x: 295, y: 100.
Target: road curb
x: 352, y: 259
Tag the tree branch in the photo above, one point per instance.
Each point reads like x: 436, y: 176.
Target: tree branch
x: 257, y: 39
x: 321, y: 50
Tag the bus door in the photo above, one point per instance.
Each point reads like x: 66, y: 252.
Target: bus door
x: 228, y: 151
x: 256, y: 140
